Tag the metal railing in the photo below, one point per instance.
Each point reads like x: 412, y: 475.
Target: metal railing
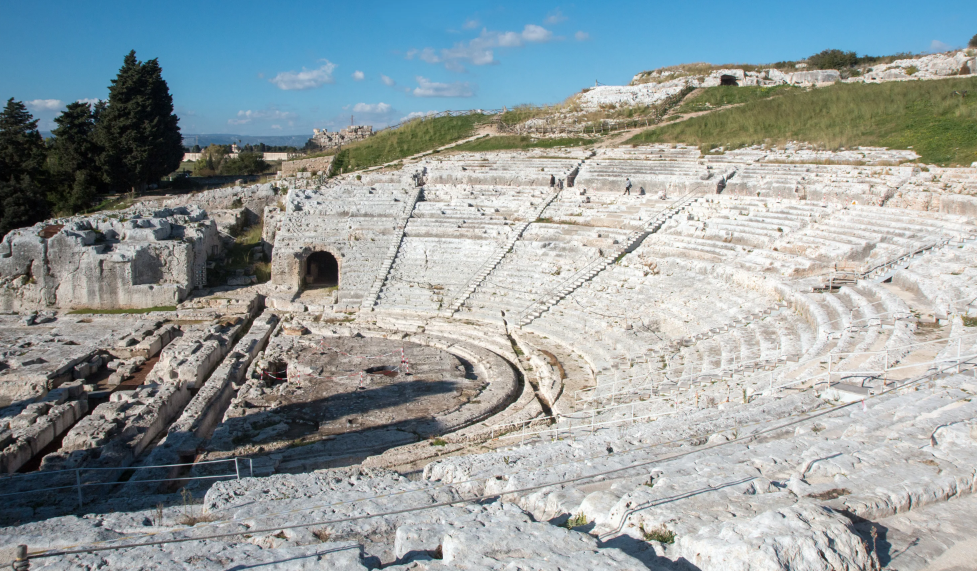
x: 11, y: 480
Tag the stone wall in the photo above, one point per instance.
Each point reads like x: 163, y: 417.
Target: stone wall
x: 327, y: 140
x: 313, y: 165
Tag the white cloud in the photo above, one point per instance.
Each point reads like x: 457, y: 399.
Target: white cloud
x: 479, y: 51
x: 45, y: 104
x: 93, y: 101
x: 305, y: 79
x: 470, y: 24
x: 581, y: 36
x: 245, y: 117
x: 387, y: 81
x: 277, y: 127
x: 358, y: 75
x: 938, y: 46
x: 426, y: 88
x: 534, y: 33
x: 416, y: 114
x: 555, y: 17
x: 372, y: 108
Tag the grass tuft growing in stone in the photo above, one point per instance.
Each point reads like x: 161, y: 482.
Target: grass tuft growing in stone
x: 661, y: 534
x: 575, y: 521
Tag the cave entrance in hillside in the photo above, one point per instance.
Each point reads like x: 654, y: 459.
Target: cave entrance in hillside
x: 728, y: 80
x: 321, y: 270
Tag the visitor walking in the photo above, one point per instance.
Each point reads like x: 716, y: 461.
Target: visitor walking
x: 627, y: 186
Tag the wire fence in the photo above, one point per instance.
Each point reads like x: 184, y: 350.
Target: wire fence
x: 242, y: 467
x: 740, y: 434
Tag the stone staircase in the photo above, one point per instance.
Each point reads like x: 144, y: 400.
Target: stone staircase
x: 598, y: 264
x: 496, y: 258
x: 370, y: 299
x: 882, y: 271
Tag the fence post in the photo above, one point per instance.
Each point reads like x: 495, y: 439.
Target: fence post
x: 251, y: 466
x: 21, y: 563
x: 78, y: 485
x: 237, y: 469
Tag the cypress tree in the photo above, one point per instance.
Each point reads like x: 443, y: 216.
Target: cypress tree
x: 137, y: 130
x: 74, y: 159
x: 22, y: 176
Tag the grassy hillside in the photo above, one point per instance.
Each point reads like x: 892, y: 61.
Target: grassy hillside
x: 519, y: 142
x: 415, y: 137
x: 923, y: 115
x: 712, y: 97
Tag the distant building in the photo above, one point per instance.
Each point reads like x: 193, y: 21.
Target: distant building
x: 194, y: 157
x: 326, y: 140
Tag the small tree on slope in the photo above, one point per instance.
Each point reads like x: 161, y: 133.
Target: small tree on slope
x: 138, y: 130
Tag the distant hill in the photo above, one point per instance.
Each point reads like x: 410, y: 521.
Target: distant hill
x: 226, y: 139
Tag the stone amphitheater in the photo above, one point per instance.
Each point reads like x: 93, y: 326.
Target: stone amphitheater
x: 759, y: 359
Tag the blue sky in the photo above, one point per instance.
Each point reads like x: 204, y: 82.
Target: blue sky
x: 282, y: 68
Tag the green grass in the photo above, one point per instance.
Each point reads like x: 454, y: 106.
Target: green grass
x: 90, y: 311
x: 521, y: 113
x: 519, y: 142
x: 415, y: 137
x: 118, y: 202
x: 924, y: 115
x: 713, y: 97
x: 238, y: 256
x: 575, y: 521
x: 660, y: 534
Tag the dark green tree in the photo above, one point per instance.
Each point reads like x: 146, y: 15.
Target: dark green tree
x: 74, y: 160
x: 833, y: 59
x: 137, y: 130
x: 973, y: 42
x: 251, y: 163
x: 22, y: 175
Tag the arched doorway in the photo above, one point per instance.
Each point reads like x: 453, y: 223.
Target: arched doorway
x: 321, y: 270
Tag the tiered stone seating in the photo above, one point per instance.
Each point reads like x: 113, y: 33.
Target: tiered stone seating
x: 453, y: 233
x: 888, y: 459
x: 657, y: 169
x: 870, y: 235
x: 545, y: 257
x: 604, y: 209
x: 502, y: 169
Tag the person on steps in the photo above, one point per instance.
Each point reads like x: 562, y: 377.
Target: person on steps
x: 627, y: 186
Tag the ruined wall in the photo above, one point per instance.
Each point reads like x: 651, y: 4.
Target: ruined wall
x: 135, y: 259
x: 313, y: 165
x: 358, y: 224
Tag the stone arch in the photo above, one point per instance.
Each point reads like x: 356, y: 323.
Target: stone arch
x: 320, y: 269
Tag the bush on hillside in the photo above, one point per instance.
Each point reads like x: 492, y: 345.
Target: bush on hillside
x: 833, y: 59
x: 973, y: 42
